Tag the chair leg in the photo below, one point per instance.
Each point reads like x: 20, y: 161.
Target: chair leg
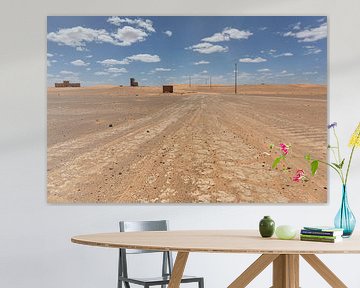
x: 201, y: 283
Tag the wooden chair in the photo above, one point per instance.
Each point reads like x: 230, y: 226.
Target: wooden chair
x: 167, y: 262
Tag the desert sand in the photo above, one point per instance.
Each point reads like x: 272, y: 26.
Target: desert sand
x: 111, y: 144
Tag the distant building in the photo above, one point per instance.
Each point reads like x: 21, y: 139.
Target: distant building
x: 168, y: 88
x: 67, y: 84
x: 133, y: 83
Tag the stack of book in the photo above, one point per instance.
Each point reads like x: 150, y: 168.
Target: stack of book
x: 321, y: 234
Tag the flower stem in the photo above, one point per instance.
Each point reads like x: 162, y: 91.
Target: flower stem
x: 337, y: 170
x: 337, y: 142
x: 338, y: 149
x: 333, y: 152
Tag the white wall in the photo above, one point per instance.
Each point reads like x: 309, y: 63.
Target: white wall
x: 35, y: 248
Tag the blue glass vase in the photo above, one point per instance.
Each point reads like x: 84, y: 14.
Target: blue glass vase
x: 345, y: 219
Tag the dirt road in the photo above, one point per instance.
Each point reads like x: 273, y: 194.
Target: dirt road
x: 201, y: 147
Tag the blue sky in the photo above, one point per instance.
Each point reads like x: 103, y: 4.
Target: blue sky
x: 160, y: 50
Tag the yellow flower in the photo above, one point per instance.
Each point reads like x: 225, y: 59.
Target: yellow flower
x: 355, y: 138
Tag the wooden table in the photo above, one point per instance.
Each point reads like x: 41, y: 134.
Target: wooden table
x: 284, y: 254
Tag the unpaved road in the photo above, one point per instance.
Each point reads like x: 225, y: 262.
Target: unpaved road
x: 191, y: 148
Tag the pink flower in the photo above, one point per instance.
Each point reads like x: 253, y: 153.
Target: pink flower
x: 299, y: 176
x: 284, y: 148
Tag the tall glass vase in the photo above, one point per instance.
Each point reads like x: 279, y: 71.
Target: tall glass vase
x: 345, y: 219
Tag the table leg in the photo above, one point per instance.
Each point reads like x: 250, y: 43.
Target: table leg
x: 324, y: 271
x: 253, y: 270
x: 286, y: 271
x: 178, y: 269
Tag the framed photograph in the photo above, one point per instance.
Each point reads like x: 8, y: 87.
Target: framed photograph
x: 166, y: 109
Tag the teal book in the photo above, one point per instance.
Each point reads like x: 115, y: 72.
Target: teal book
x: 323, y: 228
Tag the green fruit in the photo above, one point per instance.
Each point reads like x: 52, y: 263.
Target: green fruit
x: 285, y: 232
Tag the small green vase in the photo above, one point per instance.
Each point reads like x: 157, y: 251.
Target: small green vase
x: 266, y: 227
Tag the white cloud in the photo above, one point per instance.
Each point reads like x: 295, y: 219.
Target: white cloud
x: 204, y: 72
x: 88, y: 69
x: 309, y: 35
x: 162, y: 69
x: 144, y: 58
x: 145, y: 24
x: 79, y: 63
x: 252, y: 60
x: 115, y: 75
x: 310, y: 73
x: 81, y: 49
x: 312, y: 50
x: 321, y: 19
x: 89, y: 56
x: 286, y: 75
x: 207, y: 48
x: 227, y: 34
x: 290, y: 33
x: 270, y: 52
x: 110, y: 62
x: 263, y: 28
x: 202, y: 62
x: 283, y: 72
x: 168, y: 33
x: 49, y: 55
x: 128, y: 35
x: 147, y: 58
x: 70, y: 73
x: 116, y: 70
x: 297, y: 26
x: 78, y: 36
x: 101, y: 73
x: 287, y: 54
x: 264, y: 70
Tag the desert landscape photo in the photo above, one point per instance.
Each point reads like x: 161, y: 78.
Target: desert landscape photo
x: 239, y: 86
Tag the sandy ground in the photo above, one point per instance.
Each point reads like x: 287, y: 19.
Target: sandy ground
x: 109, y: 144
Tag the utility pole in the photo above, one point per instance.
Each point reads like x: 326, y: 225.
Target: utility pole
x: 210, y: 81
x: 189, y: 81
x: 235, y: 78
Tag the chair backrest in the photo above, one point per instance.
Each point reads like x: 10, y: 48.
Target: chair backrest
x: 137, y: 226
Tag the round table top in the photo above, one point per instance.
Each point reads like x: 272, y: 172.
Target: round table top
x: 219, y: 241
